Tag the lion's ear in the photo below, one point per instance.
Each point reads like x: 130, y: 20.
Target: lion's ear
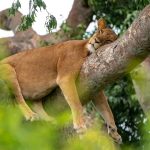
x: 101, y: 24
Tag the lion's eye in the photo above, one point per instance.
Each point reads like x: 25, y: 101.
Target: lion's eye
x: 108, y: 41
x: 100, y: 31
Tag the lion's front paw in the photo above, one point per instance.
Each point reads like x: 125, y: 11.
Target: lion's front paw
x: 81, y: 130
x: 80, y: 126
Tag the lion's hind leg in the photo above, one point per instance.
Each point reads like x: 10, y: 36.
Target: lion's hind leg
x: 102, y: 106
x: 38, y: 108
x: 8, y: 74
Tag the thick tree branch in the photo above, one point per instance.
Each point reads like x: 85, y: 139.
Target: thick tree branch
x: 22, y: 40
x: 113, y: 61
x: 9, y: 22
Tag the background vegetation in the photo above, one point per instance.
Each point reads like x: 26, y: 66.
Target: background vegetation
x: 133, y: 125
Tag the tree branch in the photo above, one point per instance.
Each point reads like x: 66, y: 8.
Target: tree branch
x: 11, y: 22
x: 113, y: 61
x: 80, y: 13
x: 22, y: 40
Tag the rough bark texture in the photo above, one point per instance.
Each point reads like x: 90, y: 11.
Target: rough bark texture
x: 113, y: 61
x: 9, y: 22
x: 21, y: 40
x: 80, y: 13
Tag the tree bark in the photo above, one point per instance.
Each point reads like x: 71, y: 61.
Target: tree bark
x: 112, y: 61
x: 9, y: 22
x: 22, y: 40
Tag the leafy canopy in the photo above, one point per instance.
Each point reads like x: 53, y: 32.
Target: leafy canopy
x: 29, y: 19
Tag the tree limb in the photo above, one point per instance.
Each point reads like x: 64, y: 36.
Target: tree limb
x: 9, y: 22
x: 113, y: 61
x: 80, y: 13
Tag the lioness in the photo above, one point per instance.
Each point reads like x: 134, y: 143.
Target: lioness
x: 34, y: 74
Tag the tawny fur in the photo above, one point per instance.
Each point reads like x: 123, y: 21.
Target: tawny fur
x: 38, y: 69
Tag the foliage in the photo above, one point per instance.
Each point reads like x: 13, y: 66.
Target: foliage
x: 16, y: 133
x: 19, y: 134
x: 14, y: 7
x: 118, y: 13
x: 29, y: 19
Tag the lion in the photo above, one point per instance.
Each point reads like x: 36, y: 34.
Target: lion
x: 35, y: 73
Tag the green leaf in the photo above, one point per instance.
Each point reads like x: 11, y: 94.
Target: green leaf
x: 50, y: 23
x: 15, y: 6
